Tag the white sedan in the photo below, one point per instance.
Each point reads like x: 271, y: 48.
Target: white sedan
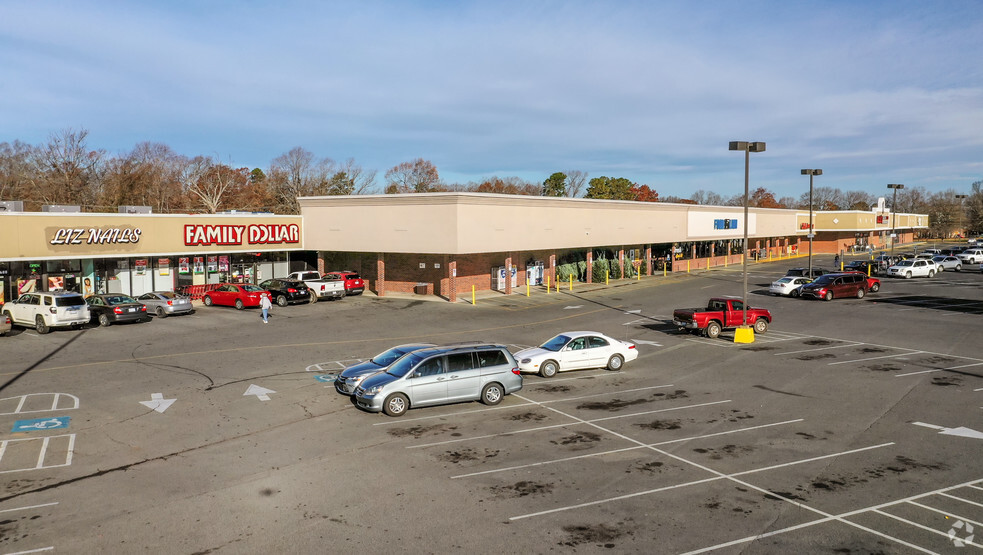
x: 788, y: 286
x: 913, y: 267
x: 575, y: 350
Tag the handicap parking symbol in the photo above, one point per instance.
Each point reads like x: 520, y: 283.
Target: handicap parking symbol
x: 326, y: 378
x: 36, y: 424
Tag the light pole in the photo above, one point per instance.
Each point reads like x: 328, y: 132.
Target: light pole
x: 894, y: 213
x: 741, y: 336
x: 812, y: 233
x: 962, y: 211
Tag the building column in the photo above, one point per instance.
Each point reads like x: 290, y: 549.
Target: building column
x: 380, y: 273
x: 590, y: 266
x: 320, y: 262
x: 551, y: 271
x: 508, y: 276
x: 452, y: 280
x: 648, y: 259
x: 621, y: 262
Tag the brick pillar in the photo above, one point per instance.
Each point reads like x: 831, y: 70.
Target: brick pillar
x: 452, y: 280
x: 380, y: 273
x: 590, y: 266
x: 320, y: 262
x: 508, y: 276
x: 621, y: 262
x: 551, y: 271
x: 648, y: 259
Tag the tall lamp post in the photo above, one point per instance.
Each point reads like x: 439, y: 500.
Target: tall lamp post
x: 894, y: 213
x: 812, y: 233
x: 745, y: 334
x: 962, y: 211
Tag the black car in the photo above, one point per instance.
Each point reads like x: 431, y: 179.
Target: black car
x: 109, y: 308
x: 286, y: 291
x: 804, y: 272
x: 862, y: 266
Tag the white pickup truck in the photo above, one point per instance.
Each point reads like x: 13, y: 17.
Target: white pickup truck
x: 320, y: 288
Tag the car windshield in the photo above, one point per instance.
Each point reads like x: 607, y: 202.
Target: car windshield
x: 70, y: 300
x: 392, y: 355
x: 940, y: 258
x: 402, y: 366
x: 784, y: 280
x: 168, y: 294
x: 906, y: 263
x: 823, y: 280
x: 249, y: 288
x: 556, y: 343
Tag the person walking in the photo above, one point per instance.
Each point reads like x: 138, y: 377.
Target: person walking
x: 266, y: 305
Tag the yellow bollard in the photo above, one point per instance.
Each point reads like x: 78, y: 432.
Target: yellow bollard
x: 664, y: 269
x: 473, y: 302
x: 547, y: 285
x: 607, y: 277
x: 708, y: 263
x: 527, y: 287
x: 557, y: 285
x: 571, y: 282
x: 638, y: 276
x: 687, y: 266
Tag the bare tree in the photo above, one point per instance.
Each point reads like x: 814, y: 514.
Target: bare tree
x: 823, y: 198
x: 298, y: 173
x: 351, y: 179
x: 709, y: 198
x: 14, y: 171
x: 575, y: 182
x: 418, y: 176
x: 65, y: 171
x: 858, y: 200
x: 788, y: 202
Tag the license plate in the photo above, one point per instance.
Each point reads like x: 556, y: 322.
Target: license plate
x: 132, y: 309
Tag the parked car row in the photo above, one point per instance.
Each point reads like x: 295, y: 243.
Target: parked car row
x: 422, y: 374
x: 827, y: 286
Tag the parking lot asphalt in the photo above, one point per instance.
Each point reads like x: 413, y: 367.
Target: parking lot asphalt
x: 851, y: 426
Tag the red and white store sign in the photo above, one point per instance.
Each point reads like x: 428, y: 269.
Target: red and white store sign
x: 253, y: 234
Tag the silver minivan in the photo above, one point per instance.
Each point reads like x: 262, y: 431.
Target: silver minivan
x: 440, y: 375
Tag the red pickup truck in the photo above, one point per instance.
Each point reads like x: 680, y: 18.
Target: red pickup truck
x: 721, y: 313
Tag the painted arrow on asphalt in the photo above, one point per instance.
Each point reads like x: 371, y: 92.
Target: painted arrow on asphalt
x: 638, y: 311
x: 261, y: 393
x: 960, y: 431
x: 647, y: 342
x: 157, y: 402
x: 569, y: 307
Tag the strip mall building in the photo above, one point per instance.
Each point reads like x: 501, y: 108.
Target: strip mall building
x: 436, y: 243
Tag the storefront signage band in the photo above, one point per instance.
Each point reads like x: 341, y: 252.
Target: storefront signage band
x: 95, y: 236
x: 254, y: 234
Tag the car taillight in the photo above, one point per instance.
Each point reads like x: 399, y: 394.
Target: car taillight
x: 515, y: 370
x: 170, y: 303
x: 53, y: 310
x: 631, y: 346
x: 291, y: 290
x: 118, y: 310
x: 143, y: 308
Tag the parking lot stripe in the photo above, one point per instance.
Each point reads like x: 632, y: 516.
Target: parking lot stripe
x: 576, y: 422
x: 961, y: 499
x: 840, y: 517
x: 939, y: 370
x: 947, y: 514
x: 819, y: 349
x: 911, y: 352
x: 923, y: 527
x: 32, y: 551
x: 542, y: 463
x: 28, y: 507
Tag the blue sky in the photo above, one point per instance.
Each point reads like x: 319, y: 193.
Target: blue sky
x: 871, y: 92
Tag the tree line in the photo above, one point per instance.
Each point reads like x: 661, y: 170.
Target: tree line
x: 65, y: 170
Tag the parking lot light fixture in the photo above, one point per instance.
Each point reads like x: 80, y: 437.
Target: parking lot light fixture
x: 894, y: 213
x: 812, y: 234
x: 744, y: 334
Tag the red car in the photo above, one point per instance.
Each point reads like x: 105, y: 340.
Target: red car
x: 239, y: 295
x: 873, y: 284
x: 353, y: 282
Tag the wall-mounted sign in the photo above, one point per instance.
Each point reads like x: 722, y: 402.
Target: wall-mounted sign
x: 183, y: 266
x: 164, y: 266
x: 199, y: 266
x: 140, y: 266
x: 95, y: 236
x: 724, y: 223
x: 212, y: 263
x: 223, y: 263
x: 253, y: 234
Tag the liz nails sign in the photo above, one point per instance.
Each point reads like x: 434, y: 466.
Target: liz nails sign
x: 254, y: 234
x: 95, y: 236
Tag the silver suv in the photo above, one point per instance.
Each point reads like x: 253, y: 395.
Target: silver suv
x: 46, y: 310
x: 440, y: 375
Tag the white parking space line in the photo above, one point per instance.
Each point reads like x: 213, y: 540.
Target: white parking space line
x: 31, y: 551
x: 910, y: 352
x: 840, y: 517
x: 819, y: 349
x: 947, y: 514
x: 524, y: 404
x: 680, y: 440
x: 939, y: 370
x: 29, y: 507
x: 921, y: 526
x: 576, y: 422
x: 961, y: 499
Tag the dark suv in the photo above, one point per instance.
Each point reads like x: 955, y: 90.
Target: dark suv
x: 286, y: 291
x: 804, y: 272
x: 830, y: 286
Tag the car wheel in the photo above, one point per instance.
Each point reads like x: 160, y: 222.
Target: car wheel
x: 40, y: 326
x: 713, y: 330
x: 959, y: 267
x: 615, y: 362
x: 396, y: 404
x: 281, y: 300
x: 760, y: 325
x: 313, y: 297
x: 828, y: 296
x: 492, y: 394
x: 907, y: 275
x: 931, y: 273
x: 207, y: 300
x: 239, y: 304
x: 794, y: 293
x: 875, y: 288
x: 104, y: 320
x: 548, y: 369
x: 861, y: 293
x: 160, y: 312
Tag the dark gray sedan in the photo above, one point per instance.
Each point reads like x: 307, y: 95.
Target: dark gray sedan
x: 166, y: 303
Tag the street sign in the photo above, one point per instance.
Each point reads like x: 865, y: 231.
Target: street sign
x: 36, y: 424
